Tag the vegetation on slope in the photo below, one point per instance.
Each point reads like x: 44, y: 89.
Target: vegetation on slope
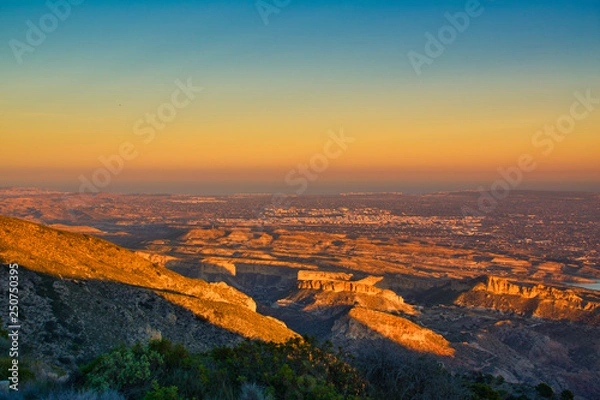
x: 256, y: 370
x: 294, y: 370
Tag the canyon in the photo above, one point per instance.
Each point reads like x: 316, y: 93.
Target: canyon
x: 417, y: 281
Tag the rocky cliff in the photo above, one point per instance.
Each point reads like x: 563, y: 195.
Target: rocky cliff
x: 534, y: 300
x: 327, y: 292
x: 323, y: 276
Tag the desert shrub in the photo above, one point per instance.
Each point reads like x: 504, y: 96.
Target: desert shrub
x: 162, y: 393
x: 25, y: 373
x: 566, y: 395
x: 160, y: 370
x: 127, y: 369
x: 395, y: 375
x: 180, y: 369
x: 544, y: 390
x: 252, y: 370
x: 295, y: 369
x: 483, y: 391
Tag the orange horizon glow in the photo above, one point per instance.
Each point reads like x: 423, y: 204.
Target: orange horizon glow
x: 270, y: 97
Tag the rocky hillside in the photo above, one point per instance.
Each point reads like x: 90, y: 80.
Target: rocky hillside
x: 87, y: 293
x: 364, y: 324
x: 533, y: 300
x: 67, y: 322
x: 323, y: 291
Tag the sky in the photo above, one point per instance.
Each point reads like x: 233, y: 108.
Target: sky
x: 217, y: 97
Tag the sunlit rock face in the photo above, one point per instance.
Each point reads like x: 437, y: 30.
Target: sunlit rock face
x: 87, y: 295
x: 320, y: 291
x: 534, y: 300
x: 362, y: 323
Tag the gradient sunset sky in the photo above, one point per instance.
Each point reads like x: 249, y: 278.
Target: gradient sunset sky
x: 271, y: 93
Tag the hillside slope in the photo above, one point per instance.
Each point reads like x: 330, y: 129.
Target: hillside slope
x: 362, y: 323
x: 77, y: 270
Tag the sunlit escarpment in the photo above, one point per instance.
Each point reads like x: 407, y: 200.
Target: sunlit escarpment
x: 381, y: 275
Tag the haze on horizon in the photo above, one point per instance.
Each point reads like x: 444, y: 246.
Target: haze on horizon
x: 273, y: 94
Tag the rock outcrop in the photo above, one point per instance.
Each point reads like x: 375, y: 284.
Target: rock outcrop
x: 327, y: 292
x: 160, y: 259
x: 365, y: 324
x: 323, y: 276
x: 533, y: 300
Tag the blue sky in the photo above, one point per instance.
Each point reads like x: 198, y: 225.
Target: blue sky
x: 315, y: 66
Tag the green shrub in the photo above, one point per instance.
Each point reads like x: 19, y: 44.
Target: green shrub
x: 485, y: 392
x: 395, y: 375
x: 126, y: 369
x: 295, y: 369
x: 544, y: 390
x: 25, y: 373
x: 566, y: 395
x: 162, y: 393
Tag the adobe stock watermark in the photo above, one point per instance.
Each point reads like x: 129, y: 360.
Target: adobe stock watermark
x: 435, y: 45
x: 13, y: 326
x: 267, y: 8
x: 145, y: 129
x: 36, y: 33
x: 299, y: 178
x: 544, y: 140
